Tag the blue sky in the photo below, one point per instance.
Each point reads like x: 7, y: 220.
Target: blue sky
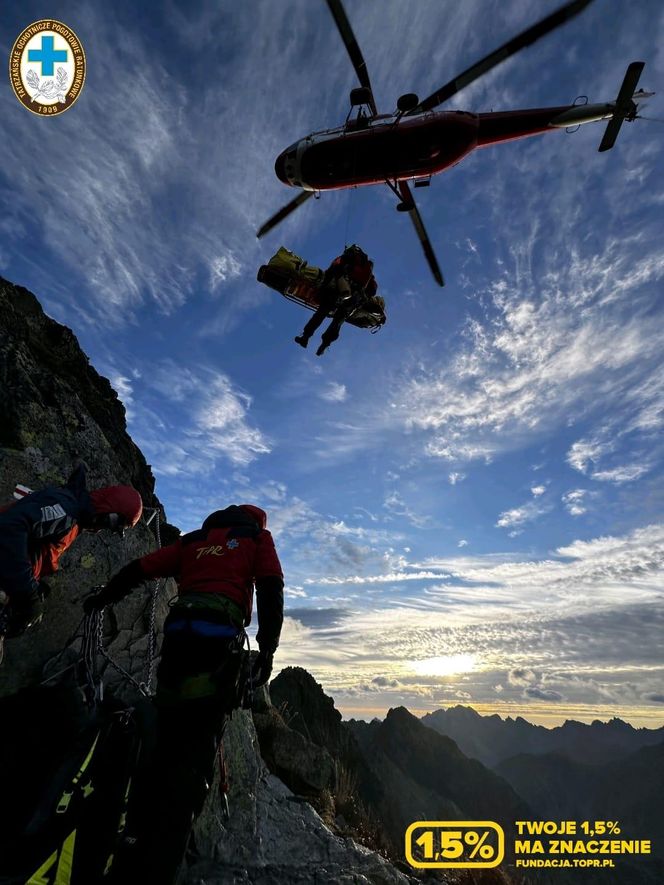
x: 468, y: 505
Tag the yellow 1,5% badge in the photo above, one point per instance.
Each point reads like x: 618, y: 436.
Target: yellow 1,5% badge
x: 454, y: 843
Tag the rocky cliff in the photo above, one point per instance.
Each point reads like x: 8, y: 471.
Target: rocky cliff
x: 54, y: 410
x: 391, y: 773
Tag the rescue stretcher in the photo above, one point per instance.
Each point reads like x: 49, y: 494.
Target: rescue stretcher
x: 300, y: 282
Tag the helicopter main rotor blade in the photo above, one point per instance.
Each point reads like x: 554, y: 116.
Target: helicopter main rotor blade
x: 545, y: 26
x: 418, y: 224
x: 353, y: 47
x: 284, y: 212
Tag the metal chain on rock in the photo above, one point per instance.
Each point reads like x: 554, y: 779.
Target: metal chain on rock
x: 99, y: 628
x: 93, y: 626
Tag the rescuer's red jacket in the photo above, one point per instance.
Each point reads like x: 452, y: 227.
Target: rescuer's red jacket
x: 231, y: 552
x: 355, y: 265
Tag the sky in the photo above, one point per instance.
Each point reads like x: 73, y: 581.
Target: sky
x: 467, y: 505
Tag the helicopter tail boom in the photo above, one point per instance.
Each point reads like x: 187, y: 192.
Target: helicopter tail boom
x: 511, y: 125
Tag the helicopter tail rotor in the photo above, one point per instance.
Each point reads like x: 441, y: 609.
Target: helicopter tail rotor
x: 625, y: 106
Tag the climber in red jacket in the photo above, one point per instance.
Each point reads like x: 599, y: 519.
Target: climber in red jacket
x: 36, y: 531
x: 347, y: 283
x: 199, y: 679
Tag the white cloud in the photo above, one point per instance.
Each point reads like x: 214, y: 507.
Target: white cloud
x: 334, y: 392
x: 462, y: 543
x: 223, y: 268
x: 190, y: 418
x: 552, y: 345
x: 576, y: 575
x: 625, y: 447
x: 221, y: 425
x: 585, y: 452
x: 574, y: 501
x: 517, y: 516
x: 543, y: 694
x: 455, y: 477
x: 536, y: 491
x: 387, y: 578
x: 585, y: 455
x: 396, y: 506
x: 123, y: 386
x: 624, y: 473
x: 521, y: 676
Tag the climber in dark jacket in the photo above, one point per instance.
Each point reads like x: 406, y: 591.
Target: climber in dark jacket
x: 347, y: 280
x: 198, y: 679
x: 36, y: 531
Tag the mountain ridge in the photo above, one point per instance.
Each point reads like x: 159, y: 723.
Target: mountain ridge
x: 492, y: 739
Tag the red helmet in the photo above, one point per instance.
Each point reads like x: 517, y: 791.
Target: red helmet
x: 123, y: 500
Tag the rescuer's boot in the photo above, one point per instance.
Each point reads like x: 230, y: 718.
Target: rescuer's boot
x: 302, y: 340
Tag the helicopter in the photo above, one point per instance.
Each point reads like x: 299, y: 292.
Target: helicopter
x: 418, y: 141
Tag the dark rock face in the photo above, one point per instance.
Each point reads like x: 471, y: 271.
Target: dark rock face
x: 54, y: 405
x: 54, y: 409
x: 628, y: 790
x: 423, y: 775
x: 308, y: 710
x: 274, y: 837
x: 397, y: 771
x: 301, y: 764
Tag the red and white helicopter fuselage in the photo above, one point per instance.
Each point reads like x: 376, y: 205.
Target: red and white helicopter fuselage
x: 393, y: 147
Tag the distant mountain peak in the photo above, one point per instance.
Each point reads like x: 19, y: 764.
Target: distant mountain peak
x: 493, y: 740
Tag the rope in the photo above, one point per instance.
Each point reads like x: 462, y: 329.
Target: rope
x: 92, y: 626
x: 348, y: 208
x: 152, y: 631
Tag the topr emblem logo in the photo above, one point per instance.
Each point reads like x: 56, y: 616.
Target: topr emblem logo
x: 232, y: 544
x: 47, y: 67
